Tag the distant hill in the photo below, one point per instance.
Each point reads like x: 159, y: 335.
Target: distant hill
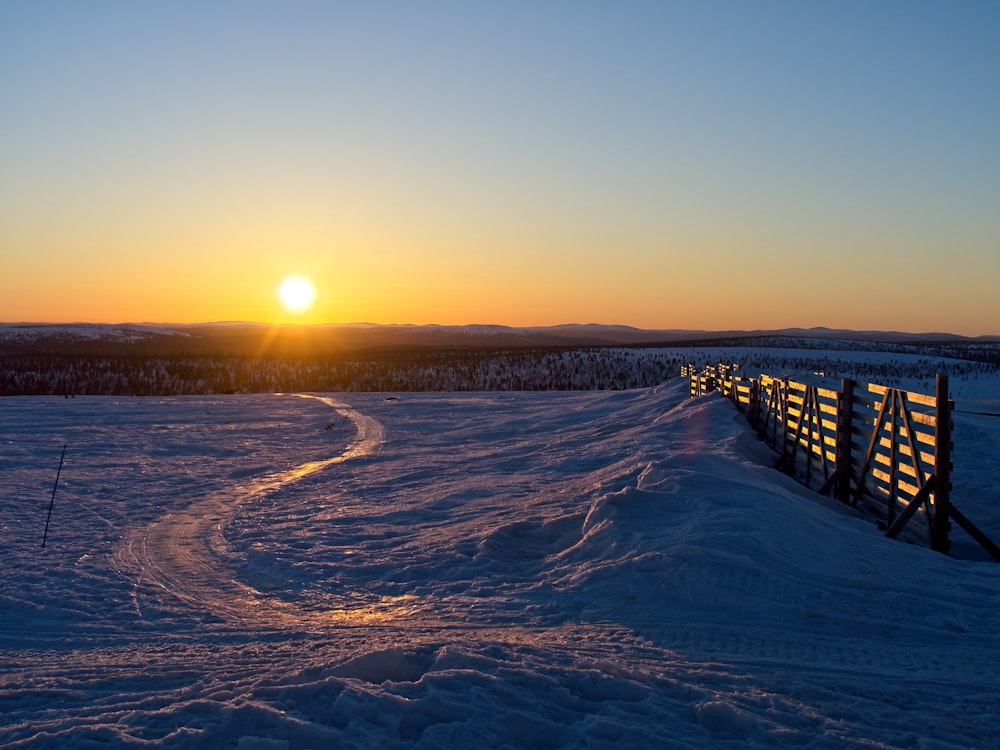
x: 240, y: 338
x: 146, y: 360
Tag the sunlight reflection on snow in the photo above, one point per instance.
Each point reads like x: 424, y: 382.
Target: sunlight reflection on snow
x: 181, y: 552
x: 387, y: 609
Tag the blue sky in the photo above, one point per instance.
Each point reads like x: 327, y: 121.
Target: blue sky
x: 798, y: 163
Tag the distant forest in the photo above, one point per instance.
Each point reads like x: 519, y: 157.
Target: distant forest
x: 383, y: 371
x: 91, y: 372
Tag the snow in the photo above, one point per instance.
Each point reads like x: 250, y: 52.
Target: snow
x: 92, y: 331
x: 438, y: 570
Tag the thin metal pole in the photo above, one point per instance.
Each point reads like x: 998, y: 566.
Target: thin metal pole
x: 52, y: 502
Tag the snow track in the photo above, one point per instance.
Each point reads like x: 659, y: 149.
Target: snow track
x: 184, y: 556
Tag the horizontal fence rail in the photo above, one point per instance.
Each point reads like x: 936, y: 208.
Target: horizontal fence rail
x: 869, y: 445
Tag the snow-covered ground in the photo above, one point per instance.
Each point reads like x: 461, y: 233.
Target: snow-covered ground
x: 520, y: 570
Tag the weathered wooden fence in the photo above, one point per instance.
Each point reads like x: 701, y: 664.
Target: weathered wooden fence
x: 863, y: 443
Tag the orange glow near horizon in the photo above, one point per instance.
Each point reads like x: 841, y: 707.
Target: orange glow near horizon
x: 385, y: 288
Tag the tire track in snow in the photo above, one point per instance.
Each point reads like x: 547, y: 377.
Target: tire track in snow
x: 182, y: 557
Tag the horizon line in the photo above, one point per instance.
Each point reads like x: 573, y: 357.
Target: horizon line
x: 531, y: 327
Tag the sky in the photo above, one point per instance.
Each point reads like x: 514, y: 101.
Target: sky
x: 709, y: 165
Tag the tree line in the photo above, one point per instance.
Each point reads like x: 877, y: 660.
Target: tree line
x: 383, y: 371
x: 431, y: 369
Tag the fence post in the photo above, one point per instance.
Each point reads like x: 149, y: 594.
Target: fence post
x: 942, y: 467
x: 845, y: 416
x: 785, y: 418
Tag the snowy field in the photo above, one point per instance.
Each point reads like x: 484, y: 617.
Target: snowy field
x: 495, y: 570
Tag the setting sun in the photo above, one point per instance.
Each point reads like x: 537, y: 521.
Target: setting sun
x: 296, y: 293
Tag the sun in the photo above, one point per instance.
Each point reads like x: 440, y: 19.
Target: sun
x: 296, y: 293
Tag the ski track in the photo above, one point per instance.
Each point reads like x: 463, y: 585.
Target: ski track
x: 185, y: 554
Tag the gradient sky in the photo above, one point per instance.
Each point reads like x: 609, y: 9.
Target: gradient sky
x: 660, y: 164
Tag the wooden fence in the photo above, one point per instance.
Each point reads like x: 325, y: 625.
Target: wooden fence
x: 865, y: 444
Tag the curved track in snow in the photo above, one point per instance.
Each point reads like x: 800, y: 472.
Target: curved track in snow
x: 184, y: 557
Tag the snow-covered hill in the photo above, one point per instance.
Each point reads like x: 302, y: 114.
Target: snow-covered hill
x: 67, y: 333
x: 240, y: 336
x: 442, y: 570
